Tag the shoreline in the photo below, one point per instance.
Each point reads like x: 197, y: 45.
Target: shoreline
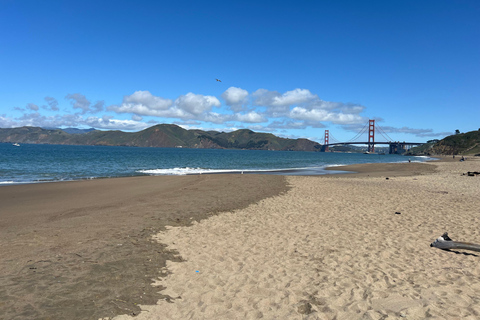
x: 84, y: 250
x: 327, y: 170
x: 394, y: 169
x: 386, y: 169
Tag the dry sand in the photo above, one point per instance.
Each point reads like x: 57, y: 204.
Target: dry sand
x: 336, y: 247
x: 84, y: 250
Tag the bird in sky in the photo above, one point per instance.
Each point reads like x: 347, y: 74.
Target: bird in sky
x: 218, y: 80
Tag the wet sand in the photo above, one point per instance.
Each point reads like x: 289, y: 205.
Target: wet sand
x: 84, y: 249
x: 386, y: 169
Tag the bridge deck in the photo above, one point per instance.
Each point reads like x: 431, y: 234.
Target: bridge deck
x: 366, y: 143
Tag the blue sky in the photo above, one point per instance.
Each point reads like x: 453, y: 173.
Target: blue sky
x: 292, y: 68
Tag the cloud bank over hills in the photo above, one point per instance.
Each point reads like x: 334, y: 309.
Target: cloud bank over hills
x: 260, y: 110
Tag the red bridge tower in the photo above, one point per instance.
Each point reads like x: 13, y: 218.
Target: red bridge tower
x: 371, y: 136
x: 326, y: 140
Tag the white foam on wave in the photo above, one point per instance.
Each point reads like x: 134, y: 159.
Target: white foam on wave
x: 336, y: 165
x: 426, y: 158
x: 416, y: 159
x: 10, y: 182
x: 191, y: 171
x: 185, y: 171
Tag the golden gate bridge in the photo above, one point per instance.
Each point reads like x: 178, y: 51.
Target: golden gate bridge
x: 395, y: 147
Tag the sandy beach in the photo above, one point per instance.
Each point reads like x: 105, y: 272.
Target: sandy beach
x: 84, y: 249
x: 342, y: 247
x: 347, y: 246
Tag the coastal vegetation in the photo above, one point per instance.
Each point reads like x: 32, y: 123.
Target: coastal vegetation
x: 460, y: 143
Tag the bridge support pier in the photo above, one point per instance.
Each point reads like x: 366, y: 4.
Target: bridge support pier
x: 397, y: 147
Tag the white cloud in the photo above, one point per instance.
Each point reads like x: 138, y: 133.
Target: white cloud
x: 196, y: 104
x: 35, y: 119
x: 235, y: 98
x: 148, y: 100
x: 137, y: 118
x: 294, y: 97
x: 251, y: 117
x: 79, y: 101
x: 143, y: 103
x: 138, y: 109
x: 287, y: 125
x: 187, y: 107
x: 339, y: 107
x: 295, y: 109
x: 32, y: 106
x: 351, y: 108
x: 52, y: 104
x: 264, y: 97
x: 97, y: 107
x: 417, y: 132
x: 314, y: 124
x: 7, y: 122
x: 301, y: 113
x: 308, y: 109
x: 217, y: 118
x: 278, y: 104
x: 106, y: 122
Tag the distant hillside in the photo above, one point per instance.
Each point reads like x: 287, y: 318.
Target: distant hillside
x: 163, y: 135
x: 462, y: 143
x: 77, y: 131
x: 71, y: 130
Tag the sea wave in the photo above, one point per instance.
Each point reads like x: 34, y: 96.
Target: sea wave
x: 193, y: 171
x: 336, y: 165
x: 11, y: 182
x: 185, y: 171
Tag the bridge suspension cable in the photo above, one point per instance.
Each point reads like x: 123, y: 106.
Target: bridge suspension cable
x: 394, y: 146
x: 362, y: 131
x: 333, y: 139
x: 384, y: 134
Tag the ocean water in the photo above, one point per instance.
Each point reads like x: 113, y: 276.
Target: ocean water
x: 33, y: 163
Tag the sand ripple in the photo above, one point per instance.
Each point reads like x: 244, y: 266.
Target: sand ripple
x: 332, y: 249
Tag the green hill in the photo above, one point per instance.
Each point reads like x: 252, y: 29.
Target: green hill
x: 463, y: 143
x: 163, y: 135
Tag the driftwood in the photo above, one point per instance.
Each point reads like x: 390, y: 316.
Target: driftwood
x: 445, y: 243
